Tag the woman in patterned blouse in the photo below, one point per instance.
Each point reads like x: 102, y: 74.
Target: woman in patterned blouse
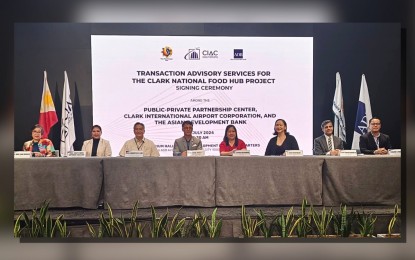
x: 40, y: 147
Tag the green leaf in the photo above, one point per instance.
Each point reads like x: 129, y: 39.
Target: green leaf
x: 57, y: 225
x: 39, y: 228
x: 117, y: 227
x: 17, y: 228
x: 26, y: 220
x: 106, y: 229
x: 124, y: 225
x: 140, y: 229
x: 91, y: 230
x: 153, y: 222
x: 393, y: 220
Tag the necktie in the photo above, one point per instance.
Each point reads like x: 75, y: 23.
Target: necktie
x: 330, y: 145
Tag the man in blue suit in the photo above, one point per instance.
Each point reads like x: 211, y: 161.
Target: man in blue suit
x: 327, y: 144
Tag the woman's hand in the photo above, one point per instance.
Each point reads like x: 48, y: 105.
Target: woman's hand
x: 37, y: 154
x: 230, y: 153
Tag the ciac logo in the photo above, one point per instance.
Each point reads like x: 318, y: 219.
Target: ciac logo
x: 167, y: 53
x: 208, y: 54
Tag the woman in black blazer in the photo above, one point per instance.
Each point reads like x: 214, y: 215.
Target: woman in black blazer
x: 282, y: 141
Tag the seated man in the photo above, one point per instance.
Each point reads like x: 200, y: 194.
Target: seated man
x: 327, y: 144
x: 187, y: 142
x: 374, y: 142
x: 139, y: 143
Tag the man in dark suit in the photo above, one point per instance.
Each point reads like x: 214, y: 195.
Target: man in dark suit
x: 327, y: 144
x: 374, y: 142
x: 187, y: 142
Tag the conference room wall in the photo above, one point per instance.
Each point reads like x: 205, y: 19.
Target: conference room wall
x: 351, y: 49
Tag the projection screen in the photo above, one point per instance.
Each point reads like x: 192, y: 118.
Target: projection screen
x: 162, y: 81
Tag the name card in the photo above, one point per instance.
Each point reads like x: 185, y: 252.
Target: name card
x: 76, y: 154
x: 22, y: 154
x: 242, y: 153
x: 348, y: 153
x: 195, y: 153
x: 293, y: 152
x: 394, y: 152
x: 134, y: 154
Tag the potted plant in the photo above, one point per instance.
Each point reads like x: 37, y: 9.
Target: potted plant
x: 343, y: 222
x: 196, y: 226
x: 366, y: 223
x: 265, y: 228
x: 249, y: 225
x: 176, y: 227
x: 117, y: 227
x: 158, y: 224
x: 391, y: 225
x: 303, y: 222
x: 214, y: 226
x: 285, y: 223
x: 322, y: 221
x: 40, y: 225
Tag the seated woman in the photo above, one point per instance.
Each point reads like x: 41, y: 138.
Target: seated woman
x: 231, y: 142
x: 40, y: 147
x: 97, y: 146
x: 282, y: 141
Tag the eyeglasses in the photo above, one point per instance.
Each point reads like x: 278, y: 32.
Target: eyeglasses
x: 374, y: 123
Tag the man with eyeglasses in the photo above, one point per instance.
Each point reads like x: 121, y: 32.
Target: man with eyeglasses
x: 327, y: 144
x: 187, y: 142
x: 139, y: 143
x: 374, y: 142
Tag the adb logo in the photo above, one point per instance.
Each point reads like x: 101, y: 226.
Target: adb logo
x: 193, y: 54
x: 238, y: 53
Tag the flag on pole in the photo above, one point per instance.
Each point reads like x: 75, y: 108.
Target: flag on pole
x: 67, y: 123
x: 363, y: 115
x: 48, y: 116
x: 338, y: 110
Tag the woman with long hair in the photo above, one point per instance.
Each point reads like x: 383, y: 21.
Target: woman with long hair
x: 231, y: 142
x: 282, y: 140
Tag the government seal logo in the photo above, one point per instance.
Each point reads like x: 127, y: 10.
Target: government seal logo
x: 167, y: 51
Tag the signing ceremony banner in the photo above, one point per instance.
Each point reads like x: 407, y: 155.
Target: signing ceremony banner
x: 162, y: 81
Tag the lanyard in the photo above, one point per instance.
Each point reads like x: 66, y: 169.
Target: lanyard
x: 138, y: 147
x: 376, y: 139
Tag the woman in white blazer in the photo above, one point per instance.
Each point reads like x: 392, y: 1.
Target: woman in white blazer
x: 97, y: 146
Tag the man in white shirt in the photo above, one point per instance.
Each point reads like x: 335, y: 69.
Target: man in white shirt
x: 327, y: 144
x: 139, y: 143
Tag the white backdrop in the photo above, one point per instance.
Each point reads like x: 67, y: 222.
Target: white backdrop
x: 206, y: 80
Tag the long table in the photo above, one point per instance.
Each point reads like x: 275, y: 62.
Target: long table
x: 207, y: 181
x: 163, y: 181
x: 268, y: 180
x: 362, y: 180
x: 65, y: 182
